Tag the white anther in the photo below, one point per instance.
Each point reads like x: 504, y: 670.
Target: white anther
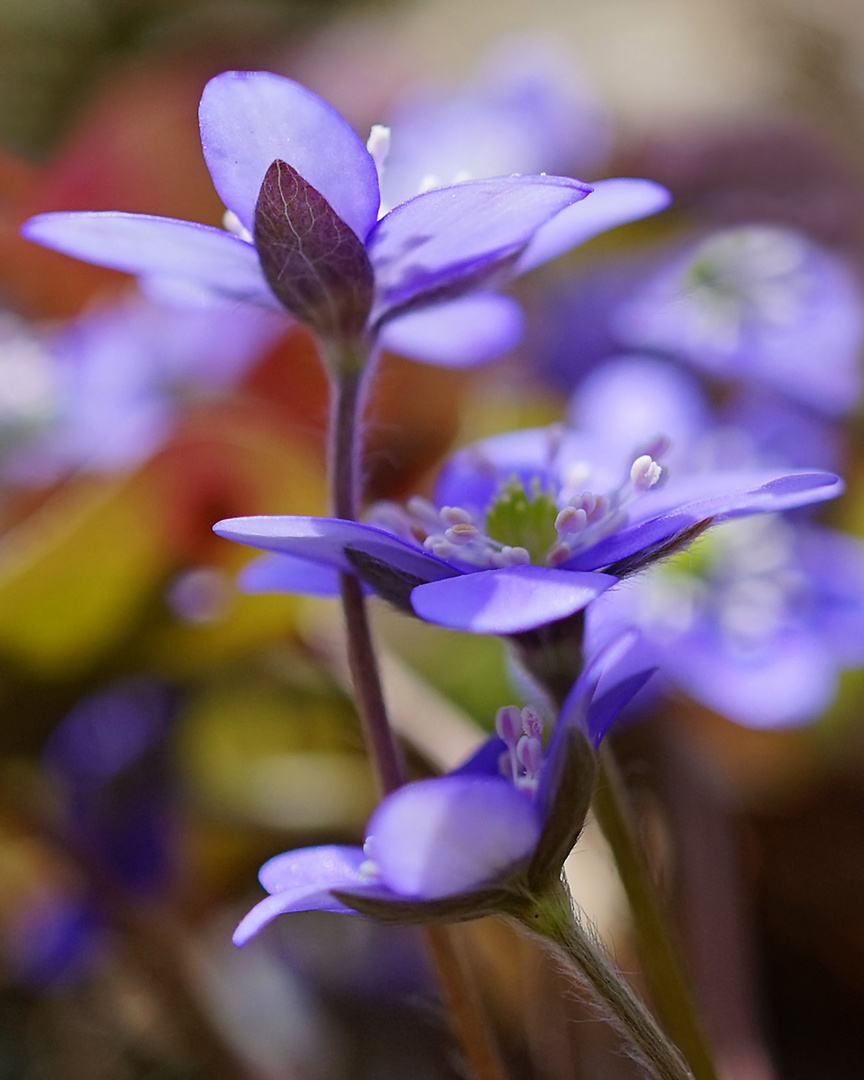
x: 571, y: 519
x: 232, y: 224
x: 424, y: 511
x: 462, y: 533
x: 515, y: 556
x: 378, y: 145
x: 455, y: 515
x: 439, y: 547
x: 645, y: 472
x: 429, y: 181
x: 368, y: 871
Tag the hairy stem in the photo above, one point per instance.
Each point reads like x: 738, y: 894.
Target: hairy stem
x: 466, y: 1013
x: 554, y: 922
x: 657, y: 951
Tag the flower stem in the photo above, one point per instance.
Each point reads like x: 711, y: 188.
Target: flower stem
x: 384, y: 754
x: 551, y: 918
x: 466, y: 1013
x: 657, y: 951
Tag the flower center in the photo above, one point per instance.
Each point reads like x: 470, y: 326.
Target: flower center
x: 753, y: 275
x: 742, y: 577
x: 519, y: 519
x: 522, y: 526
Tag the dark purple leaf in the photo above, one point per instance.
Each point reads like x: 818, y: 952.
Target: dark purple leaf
x: 312, y: 260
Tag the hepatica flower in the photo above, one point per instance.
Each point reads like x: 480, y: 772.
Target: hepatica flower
x: 759, y: 303
x: 303, y: 230
x: 757, y: 622
x: 525, y: 529
x: 483, y: 838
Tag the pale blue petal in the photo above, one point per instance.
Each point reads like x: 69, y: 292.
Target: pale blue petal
x: 451, y: 835
x: 249, y: 119
x: 459, y: 333
x: 302, y: 881
x: 661, y: 514
x: 324, y: 541
x: 288, y: 574
x: 611, y: 203
x: 459, y: 237
x: 507, y: 601
x: 209, y: 258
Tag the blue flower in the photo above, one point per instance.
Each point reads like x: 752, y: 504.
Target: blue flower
x: 478, y: 840
x: 525, y: 529
x: 303, y: 230
x: 761, y: 615
x: 762, y: 304
x: 121, y: 375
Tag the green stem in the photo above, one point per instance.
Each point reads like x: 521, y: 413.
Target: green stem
x: 552, y: 919
x: 657, y: 951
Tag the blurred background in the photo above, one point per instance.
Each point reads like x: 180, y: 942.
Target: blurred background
x: 162, y: 733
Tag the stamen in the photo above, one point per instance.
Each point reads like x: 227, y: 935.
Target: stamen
x: 529, y: 753
x: 455, y: 515
x: 508, y: 725
x: 378, y: 145
x: 532, y: 722
x: 571, y: 520
x: 232, y: 224
x: 645, y: 472
x: 463, y: 533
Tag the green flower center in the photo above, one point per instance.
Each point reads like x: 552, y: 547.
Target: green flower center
x: 523, y: 519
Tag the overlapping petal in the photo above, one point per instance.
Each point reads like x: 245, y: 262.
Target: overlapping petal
x: 611, y: 203
x: 157, y: 247
x: 457, y: 238
x: 511, y: 600
x: 663, y: 514
x: 465, y: 332
x: 302, y: 881
x: 249, y: 119
x: 328, y: 542
x: 450, y: 835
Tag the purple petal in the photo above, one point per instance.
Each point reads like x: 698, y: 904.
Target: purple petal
x: 629, y: 400
x: 604, y: 663
x: 301, y: 881
x: 158, y: 247
x: 450, y: 835
x: 485, y: 761
x: 324, y: 541
x: 788, y: 679
x: 288, y: 574
x: 331, y: 866
x: 507, y: 601
x: 660, y: 515
x: 471, y: 477
x: 249, y: 119
x: 459, y: 333
x: 311, y: 259
x: 454, y: 238
x: 605, y: 709
x: 611, y: 203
